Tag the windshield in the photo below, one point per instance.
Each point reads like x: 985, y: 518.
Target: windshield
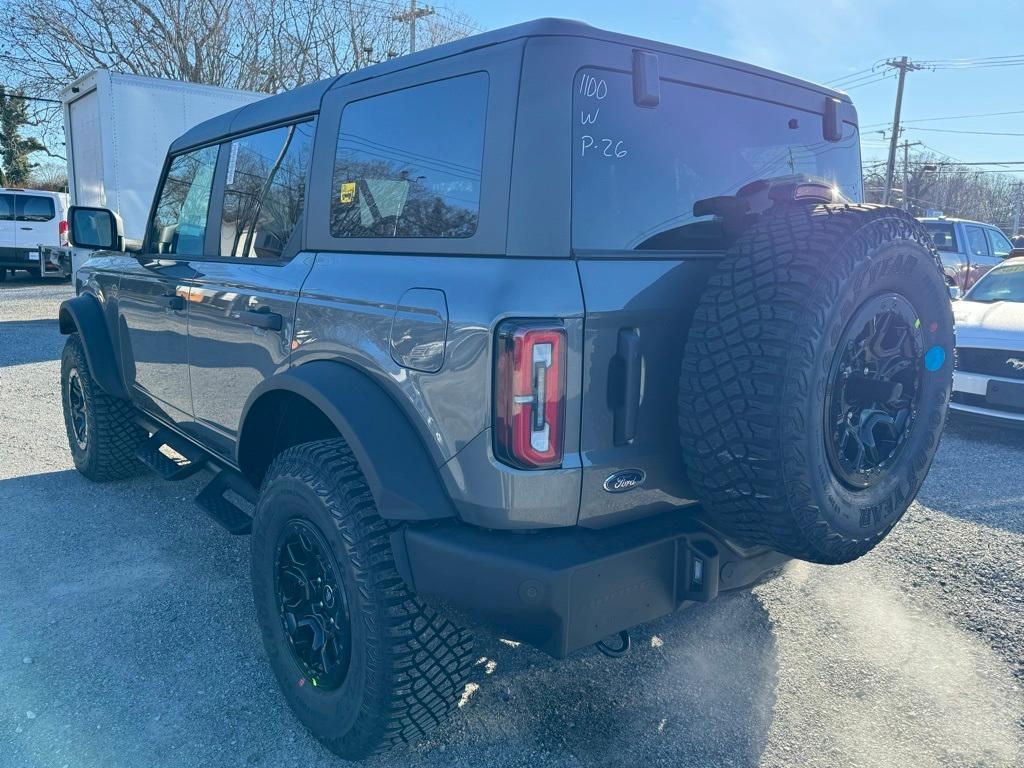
x: 943, y: 235
x: 637, y: 171
x: 1000, y: 284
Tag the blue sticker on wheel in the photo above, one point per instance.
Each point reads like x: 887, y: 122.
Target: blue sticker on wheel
x: 934, y: 358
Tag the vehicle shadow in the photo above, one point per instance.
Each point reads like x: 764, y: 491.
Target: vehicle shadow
x: 975, y: 474
x: 135, y: 612
x: 29, y: 341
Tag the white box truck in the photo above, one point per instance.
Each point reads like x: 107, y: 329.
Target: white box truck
x: 117, y: 130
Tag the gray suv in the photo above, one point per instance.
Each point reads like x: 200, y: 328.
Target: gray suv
x: 549, y: 329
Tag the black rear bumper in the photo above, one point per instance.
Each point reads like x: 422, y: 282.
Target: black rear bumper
x: 18, y: 258
x: 564, y: 589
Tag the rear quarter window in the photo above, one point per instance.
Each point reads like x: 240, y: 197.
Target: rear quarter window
x: 943, y: 235
x: 407, y: 163
x: 637, y: 171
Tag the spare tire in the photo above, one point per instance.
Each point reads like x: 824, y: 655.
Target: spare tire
x: 815, y: 379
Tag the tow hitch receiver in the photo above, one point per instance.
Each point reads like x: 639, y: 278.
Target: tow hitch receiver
x: 565, y: 589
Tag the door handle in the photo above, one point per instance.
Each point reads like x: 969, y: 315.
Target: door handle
x: 171, y: 301
x: 27, y: 229
x: 270, y: 321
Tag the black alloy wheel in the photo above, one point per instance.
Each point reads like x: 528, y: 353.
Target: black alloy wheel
x: 312, y: 604
x: 76, y: 407
x: 872, y: 398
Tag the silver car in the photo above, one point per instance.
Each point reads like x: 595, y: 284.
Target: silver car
x: 989, y: 377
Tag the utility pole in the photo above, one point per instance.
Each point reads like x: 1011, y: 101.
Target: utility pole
x: 411, y: 16
x: 904, y: 65
x: 906, y: 172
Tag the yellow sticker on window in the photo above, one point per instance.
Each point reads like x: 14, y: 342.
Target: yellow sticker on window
x: 347, y: 195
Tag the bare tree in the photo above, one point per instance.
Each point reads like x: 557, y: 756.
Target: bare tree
x: 259, y: 45
x: 937, y: 183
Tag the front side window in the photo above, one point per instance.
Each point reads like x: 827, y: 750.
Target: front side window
x: 6, y: 207
x: 264, y: 192
x: 179, y: 223
x: 408, y: 162
x: 976, y: 243
x: 637, y: 171
x: 35, y: 208
x: 1001, y: 247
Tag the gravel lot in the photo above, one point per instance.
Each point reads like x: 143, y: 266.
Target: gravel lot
x: 127, y: 635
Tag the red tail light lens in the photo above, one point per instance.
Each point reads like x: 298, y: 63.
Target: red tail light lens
x: 530, y: 394
x: 63, y: 233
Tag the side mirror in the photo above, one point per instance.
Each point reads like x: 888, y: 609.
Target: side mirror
x: 1018, y: 250
x: 954, y: 292
x: 97, y: 228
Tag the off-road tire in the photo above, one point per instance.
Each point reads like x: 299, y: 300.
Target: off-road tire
x: 112, y: 435
x: 756, y: 367
x: 408, y: 663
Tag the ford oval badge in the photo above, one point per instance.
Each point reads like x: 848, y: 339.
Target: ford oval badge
x: 624, y: 480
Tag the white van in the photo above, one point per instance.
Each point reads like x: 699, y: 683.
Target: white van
x: 30, y: 218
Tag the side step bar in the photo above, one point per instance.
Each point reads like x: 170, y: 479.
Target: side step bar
x: 149, y: 453
x: 223, y: 510
x: 231, y: 513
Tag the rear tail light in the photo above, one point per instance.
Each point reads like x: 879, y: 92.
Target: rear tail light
x: 64, y: 234
x: 530, y: 394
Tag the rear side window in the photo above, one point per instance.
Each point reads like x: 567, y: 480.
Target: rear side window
x: 6, y: 207
x: 943, y: 235
x: 264, y: 192
x: 637, y: 171
x: 408, y: 162
x: 35, y: 208
x: 179, y: 223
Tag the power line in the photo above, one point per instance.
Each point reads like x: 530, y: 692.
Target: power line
x: 975, y: 133
x: 30, y: 98
x: 951, y: 117
x: 866, y: 82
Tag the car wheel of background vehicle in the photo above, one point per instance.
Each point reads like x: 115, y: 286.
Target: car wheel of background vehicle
x: 102, y: 432
x: 364, y: 664
x: 815, y: 379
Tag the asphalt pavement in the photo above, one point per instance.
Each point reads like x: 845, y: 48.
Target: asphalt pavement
x: 127, y: 635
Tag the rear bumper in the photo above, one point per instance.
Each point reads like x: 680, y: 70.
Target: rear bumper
x: 19, y: 258
x: 564, y: 589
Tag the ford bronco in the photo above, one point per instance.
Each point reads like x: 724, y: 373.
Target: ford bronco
x: 549, y: 329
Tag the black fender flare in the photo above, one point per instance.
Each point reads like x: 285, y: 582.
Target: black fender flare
x: 398, y: 466
x: 85, y: 315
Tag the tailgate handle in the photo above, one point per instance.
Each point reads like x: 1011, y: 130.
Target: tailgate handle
x: 626, y: 383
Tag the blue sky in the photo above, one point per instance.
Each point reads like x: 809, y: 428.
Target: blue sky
x: 822, y: 40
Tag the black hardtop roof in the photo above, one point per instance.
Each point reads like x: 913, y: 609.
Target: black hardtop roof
x: 306, y: 99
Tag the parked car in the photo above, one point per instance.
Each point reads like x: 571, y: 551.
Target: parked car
x: 549, y: 328
x: 989, y: 377
x: 968, y: 248
x: 30, y: 218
